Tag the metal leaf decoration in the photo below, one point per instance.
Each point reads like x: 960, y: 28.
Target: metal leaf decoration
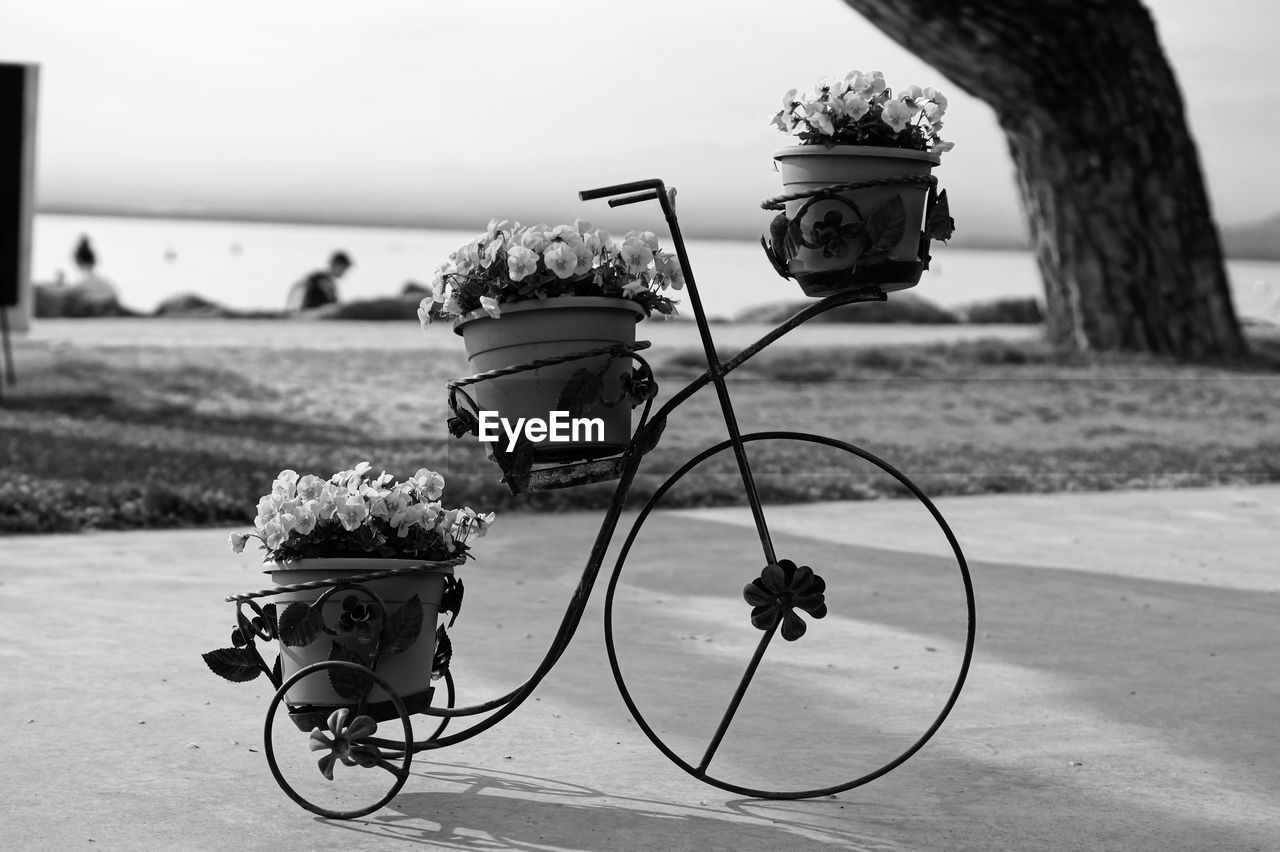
x: 235, y: 664
x: 938, y: 224
x: 886, y: 225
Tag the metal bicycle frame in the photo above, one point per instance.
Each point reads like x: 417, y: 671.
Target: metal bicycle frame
x: 649, y: 190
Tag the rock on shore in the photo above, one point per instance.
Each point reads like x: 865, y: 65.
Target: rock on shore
x: 900, y: 308
x: 77, y: 300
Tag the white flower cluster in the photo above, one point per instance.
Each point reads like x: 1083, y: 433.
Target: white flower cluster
x: 297, y: 505
x: 859, y: 109
x: 513, y: 262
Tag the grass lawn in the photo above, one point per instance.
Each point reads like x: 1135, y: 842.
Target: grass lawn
x: 128, y: 436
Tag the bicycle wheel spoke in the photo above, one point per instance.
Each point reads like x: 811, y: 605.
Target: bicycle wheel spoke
x: 390, y: 767
x: 738, y: 695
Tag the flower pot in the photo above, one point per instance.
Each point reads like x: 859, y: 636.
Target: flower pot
x: 876, y: 250
x: 408, y: 671
x: 534, y: 330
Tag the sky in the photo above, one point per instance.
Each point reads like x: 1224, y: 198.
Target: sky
x: 447, y: 114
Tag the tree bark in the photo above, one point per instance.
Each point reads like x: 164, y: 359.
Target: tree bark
x: 1108, y: 172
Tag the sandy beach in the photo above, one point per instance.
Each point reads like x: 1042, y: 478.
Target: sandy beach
x: 122, y: 423
x: 408, y: 336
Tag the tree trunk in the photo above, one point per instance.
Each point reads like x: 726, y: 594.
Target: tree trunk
x: 1108, y: 172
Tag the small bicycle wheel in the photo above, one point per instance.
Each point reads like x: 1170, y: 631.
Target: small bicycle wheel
x: 838, y: 663
x: 340, y: 750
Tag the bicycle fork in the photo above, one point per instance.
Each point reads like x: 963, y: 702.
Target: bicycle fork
x: 655, y: 189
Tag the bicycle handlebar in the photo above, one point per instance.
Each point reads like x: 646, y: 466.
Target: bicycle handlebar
x: 653, y: 184
x: 651, y: 195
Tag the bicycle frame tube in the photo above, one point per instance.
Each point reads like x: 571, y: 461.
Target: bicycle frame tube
x: 794, y: 321
x: 717, y: 372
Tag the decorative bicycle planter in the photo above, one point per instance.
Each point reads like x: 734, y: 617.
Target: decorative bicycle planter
x: 779, y: 590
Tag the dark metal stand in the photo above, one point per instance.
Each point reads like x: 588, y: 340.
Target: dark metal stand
x: 780, y: 589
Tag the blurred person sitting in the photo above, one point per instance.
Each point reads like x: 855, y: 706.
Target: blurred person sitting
x: 319, y: 288
x: 91, y: 286
x: 89, y: 295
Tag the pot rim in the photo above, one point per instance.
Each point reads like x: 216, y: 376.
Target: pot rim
x: 570, y: 302
x: 857, y: 151
x: 331, y: 563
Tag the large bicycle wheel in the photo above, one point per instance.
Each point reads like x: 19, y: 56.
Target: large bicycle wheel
x: 837, y: 663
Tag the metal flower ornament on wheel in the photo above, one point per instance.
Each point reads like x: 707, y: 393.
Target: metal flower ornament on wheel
x: 779, y: 591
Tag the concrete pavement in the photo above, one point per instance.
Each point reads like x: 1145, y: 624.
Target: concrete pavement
x: 1123, y: 693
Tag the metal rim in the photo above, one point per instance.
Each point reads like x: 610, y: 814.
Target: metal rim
x: 406, y: 757
x: 888, y: 153
x: 702, y: 775
x: 616, y: 303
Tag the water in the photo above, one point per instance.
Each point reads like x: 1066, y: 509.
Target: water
x: 251, y: 265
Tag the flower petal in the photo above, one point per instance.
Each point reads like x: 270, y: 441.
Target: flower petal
x: 320, y: 740
x: 774, y: 577
x: 326, y: 765
x: 338, y: 720
x: 364, y: 755
x: 793, y: 626
x: 363, y: 631
x: 808, y: 603
x: 764, y: 617
x: 361, y: 727
x: 757, y: 595
x: 801, y: 578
